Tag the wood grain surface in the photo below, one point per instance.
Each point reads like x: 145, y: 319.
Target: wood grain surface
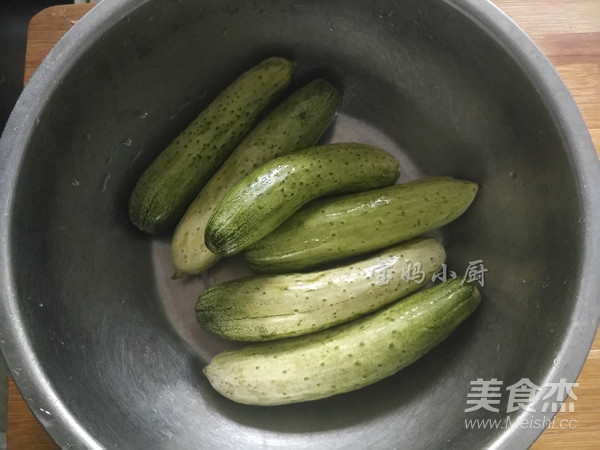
x: 568, y: 32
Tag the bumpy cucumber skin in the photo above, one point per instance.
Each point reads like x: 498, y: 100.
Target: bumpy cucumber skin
x: 171, y: 182
x: 269, y: 195
x: 333, y: 229
x: 346, y: 357
x: 297, y: 122
x: 269, y: 307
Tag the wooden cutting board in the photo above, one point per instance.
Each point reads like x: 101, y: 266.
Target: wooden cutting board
x: 568, y: 32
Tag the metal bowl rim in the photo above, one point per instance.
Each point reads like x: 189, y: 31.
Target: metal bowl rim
x: 20, y: 357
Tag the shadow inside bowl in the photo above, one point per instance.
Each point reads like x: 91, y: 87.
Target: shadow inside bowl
x: 115, y: 337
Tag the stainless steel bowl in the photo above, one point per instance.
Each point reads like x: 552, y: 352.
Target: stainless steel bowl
x: 103, y: 345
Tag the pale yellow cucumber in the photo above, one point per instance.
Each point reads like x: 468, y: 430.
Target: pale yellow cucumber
x: 346, y: 357
x: 268, y: 307
x: 297, y: 122
x: 171, y: 182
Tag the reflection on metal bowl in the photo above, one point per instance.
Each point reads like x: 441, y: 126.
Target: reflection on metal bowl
x: 104, y: 345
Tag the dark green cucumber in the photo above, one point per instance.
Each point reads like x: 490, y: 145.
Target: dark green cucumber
x: 268, y: 307
x: 297, y: 122
x: 333, y: 229
x: 171, y: 182
x: 346, y: 357
x: 269, y: 195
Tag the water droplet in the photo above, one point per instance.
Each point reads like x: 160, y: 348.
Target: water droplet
x: 141, y: 114
x: 127, y: 142
x: 41, y: 304
x: 87, y: 136
x: 75, y: 182
x: 545, y: 282
x: 136, y: 156
x: 45, y: 411
x: 36, y: 122
x: 332, y: 27
x: 512, y: 174
x: 105, y: 180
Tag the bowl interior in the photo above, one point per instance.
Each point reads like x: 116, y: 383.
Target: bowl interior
x: 116, y: 336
